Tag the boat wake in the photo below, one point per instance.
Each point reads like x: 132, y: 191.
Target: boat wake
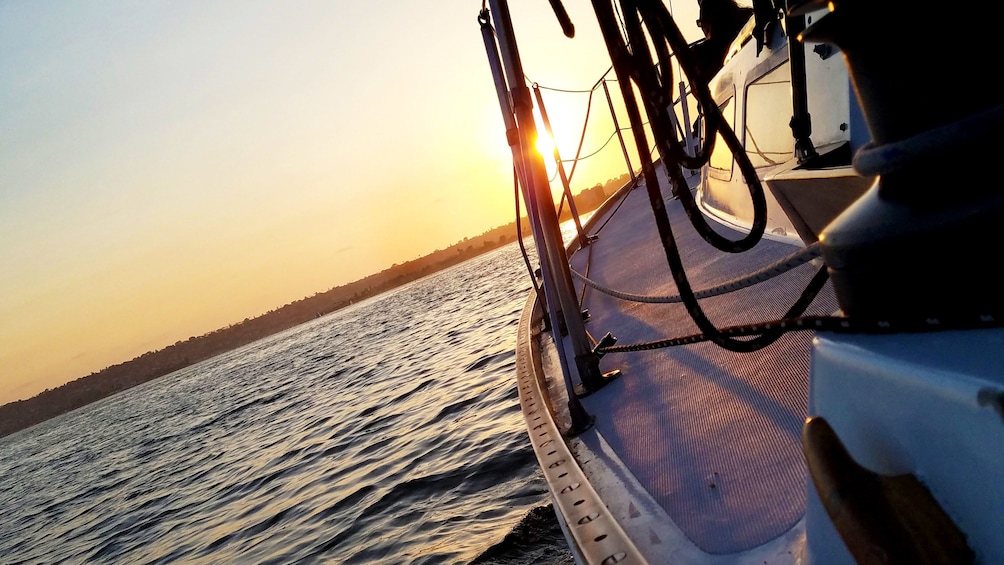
x: 537, y: 538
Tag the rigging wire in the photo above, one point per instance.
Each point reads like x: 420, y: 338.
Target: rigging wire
x: 775, y: 269
x: 596, y: 84
x: 582, y: 138
x: 582, y: 295
x: 563, y: 90
x: 833, y: 324
x: 594, y: 153
x: 763, y: 333
x: 519, y: 235
x: 634, y: 185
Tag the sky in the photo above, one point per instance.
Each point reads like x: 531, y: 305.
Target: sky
x: 168, y: 168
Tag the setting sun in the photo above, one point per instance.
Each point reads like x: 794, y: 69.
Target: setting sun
x: 545, y: 145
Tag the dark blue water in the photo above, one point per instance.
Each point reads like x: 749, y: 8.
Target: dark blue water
x: 388, y: 432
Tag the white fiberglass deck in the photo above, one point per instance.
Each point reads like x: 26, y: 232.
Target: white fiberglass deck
x: 712, y: 436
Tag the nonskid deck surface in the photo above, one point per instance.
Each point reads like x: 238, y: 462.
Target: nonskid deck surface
x: 712, y: 435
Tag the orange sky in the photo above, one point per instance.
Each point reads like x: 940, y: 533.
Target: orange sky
x: 169, y: 168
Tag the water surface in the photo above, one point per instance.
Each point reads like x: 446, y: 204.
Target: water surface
x: 387, y: 432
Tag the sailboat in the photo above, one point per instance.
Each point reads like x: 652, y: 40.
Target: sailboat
x: 782, y: 343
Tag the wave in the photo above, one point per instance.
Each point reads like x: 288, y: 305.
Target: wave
x: 487, y: 359
x: 537, y: 538
x: 318, y: 441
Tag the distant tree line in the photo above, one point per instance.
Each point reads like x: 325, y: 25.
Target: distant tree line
x: 22, y: 414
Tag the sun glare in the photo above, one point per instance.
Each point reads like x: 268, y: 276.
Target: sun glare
x: 545, y: 145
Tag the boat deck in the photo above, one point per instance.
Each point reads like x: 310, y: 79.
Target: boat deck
x: 695, y: 448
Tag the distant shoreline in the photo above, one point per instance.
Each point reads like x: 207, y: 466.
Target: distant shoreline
x: 23, y: 414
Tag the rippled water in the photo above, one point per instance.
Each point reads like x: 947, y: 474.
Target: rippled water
x: 388, y: 432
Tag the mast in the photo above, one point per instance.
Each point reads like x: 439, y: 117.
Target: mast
x: 558, y: 287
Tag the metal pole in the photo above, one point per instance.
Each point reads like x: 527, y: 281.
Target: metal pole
x: 512, y: 137
x: 801, y: 122
x: 675, y: 121
x: 583, y: 240
x: 688, y: 131
x: 617, y: 128
x: 586, y: 362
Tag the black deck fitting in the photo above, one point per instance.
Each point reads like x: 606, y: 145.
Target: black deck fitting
x: 923, y: 236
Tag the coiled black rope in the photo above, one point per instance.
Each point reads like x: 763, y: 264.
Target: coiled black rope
x: 655, y: 84
x: 635, y: 66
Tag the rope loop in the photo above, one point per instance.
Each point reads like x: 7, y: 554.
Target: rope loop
x: 635, y: 65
